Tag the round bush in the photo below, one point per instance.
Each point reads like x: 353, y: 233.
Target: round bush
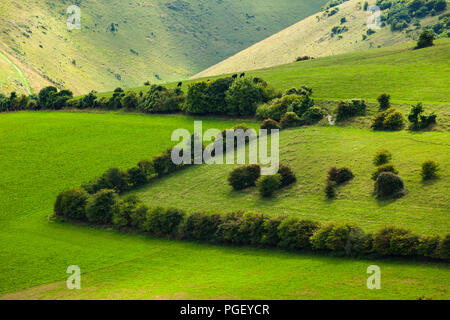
x: 201, y: 226
x: 71, y: 204
x: 137, y: 176
x: 383, y: 238
x: 99, y: 208
x: 267, y: 185
x: 330, y: 192
x: 389, y: 184
x: 340, y: 175
x: 429, y: 170
x: 290, y: 120
x: 163, y: 222
x: 270, y: 124
x: 139, y: 216
x: 295, y: 233
x: 287, y: 175
x: 384, y: 101
x: 429, y: 247
x: 244, y: 177
x: 388, y: 167
x: 251, y: 228
x: 123, y: 210
x: 382, y: 157
x: 270, y: 236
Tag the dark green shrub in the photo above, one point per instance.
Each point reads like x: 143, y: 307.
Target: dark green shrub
x: 384, y: 101
x: 244, y: 177
x: 216, y: 95
x: 287, y: 175
x: 270, y: 125
x: 137, y: 176
x: 147, y: 167
x: 340, y: 175
x: 389, y: 184
x: 418, y: 120
x: 161, y: 100
x: 117, y: 179
x: 243, y: 97
x: 347, y: 238
x: 99, y: 208
x: 201, y: 226
x: 138, y: 216
x: 388, y: 167
x: 404, y: 244
x: 429, y: 170
x: 71, y: 204
x: 294, y: 233
x: 350, y: 109
x: 267, y: 185
x: 123, y: 210
x: 228, y: 229
x: 290, y: 120
x: 444, y: 247
x: 319, y: 238
x: 312, y: 116
x: 330, y: 191
x: 197, y: 101
x: 383, y: 239
x: 391, y: 119
x: 429, y: 247
x: 382, y: 157
x: 163, y: 222
x: 426, y: 39
x: 252, y: 228
x: 270, y: 235
x: 275, y: 109
x: 162, y: 163
x: 130, y: 101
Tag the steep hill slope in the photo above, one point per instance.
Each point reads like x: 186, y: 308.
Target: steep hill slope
x: 314, y: 36
x: 124, y: 43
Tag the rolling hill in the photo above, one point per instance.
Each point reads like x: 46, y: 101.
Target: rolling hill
x: 319, y: 35
x: 126, y: 43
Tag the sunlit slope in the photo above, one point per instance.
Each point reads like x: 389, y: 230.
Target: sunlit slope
x: 124, y: 43
x: 313, y: 37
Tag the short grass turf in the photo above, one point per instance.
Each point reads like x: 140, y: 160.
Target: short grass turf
x: 311, y: 152
x: 407, y: 75
x: 44, y: 153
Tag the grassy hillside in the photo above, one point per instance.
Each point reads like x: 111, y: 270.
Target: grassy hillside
x: 408, y: 75
x: 126, y: 43
x: 311, y: 152
x: 43, y: 153
x: 313, y: 37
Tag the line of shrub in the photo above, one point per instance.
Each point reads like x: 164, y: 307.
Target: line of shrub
x: 246, y: 228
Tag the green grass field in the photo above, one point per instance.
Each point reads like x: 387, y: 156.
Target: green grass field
x: 311, y: 152
x: 46, y: 152
x: 408, y: 75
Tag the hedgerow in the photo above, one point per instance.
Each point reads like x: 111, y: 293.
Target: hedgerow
x: 248, y: 228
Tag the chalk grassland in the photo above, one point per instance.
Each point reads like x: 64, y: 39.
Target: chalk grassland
x: 408, y: 75
x: 313, y: 37
x: 311, y: 152
x: 155, y: 40
x: 46, y: 152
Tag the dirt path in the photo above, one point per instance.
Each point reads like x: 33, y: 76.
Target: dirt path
x: 19, y: 71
